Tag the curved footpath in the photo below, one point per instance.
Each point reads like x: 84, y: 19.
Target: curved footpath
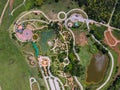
x: 110, y: 54
x: 80, y: 85
x: 112, y: 67
x: 17, y: 7
x: 87, y: 21
x: 1, y: 17
x: 112, y: 60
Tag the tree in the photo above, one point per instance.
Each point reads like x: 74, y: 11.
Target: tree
x: 68, y: 68
x: 56, y: 1
x: 38, y: 2
x: 77, y: 48
x: 13, y: 36
x: 61, y: 56
x: 92, y: 31
x: 115, y: 85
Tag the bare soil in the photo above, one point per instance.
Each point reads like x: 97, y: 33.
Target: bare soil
x: 81, y: 38
x: 11, y: 4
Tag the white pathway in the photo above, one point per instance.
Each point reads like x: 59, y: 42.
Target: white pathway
x: 1, y: 17
x: 55, y: 78
x: 33, y: 80
x: 53, y: 81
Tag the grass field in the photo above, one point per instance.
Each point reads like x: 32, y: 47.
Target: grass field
x: 85, y: 55
x: 60, y: 6
x: 98, y: 31
x: 116, y: 33
x: 2, y: 4
x: 13, y: 68
x: 14, y: 71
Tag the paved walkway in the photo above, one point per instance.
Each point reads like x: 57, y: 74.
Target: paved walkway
x: 1, y: 17
x: 112, y: 61
x: 110, y: 54
x: 49, y: 78
x: 23, y: 3
x: 0, y: 88
x: 33, y: 80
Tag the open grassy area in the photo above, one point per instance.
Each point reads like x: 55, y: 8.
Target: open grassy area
x: 114, y: 70
x: 56, y: 7
x: 85, y: 55
x: 13, y: 68
x: 116, y: 33
x: 45, y: 36
x: 2, y: 4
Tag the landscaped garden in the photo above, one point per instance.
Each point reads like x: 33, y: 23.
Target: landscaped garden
x: 52, y: 39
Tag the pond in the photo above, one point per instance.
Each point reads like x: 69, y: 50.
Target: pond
x: 97, y: 68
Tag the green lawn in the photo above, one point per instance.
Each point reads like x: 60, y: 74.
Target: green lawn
x: 2, y: 4
x: 85, y: 55
x: 98, y: 31
x: 116, y: 33
x: 50, y: 5
x: 45, y: 36
x: 13, y: 67
x: 14, y: 71
x: 115, y: 55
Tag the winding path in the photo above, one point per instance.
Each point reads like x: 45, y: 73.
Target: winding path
x: 110, y: 54
x: 112, y: 60
x: 87, y: 22
x: 1, y: 17
x: 17, y: 7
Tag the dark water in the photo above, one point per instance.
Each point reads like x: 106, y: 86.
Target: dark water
x: 97, y: 68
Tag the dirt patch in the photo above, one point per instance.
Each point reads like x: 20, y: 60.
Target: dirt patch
x: 112, y: 42
x: 35, y: 86
x: 81, y: 38
x: 11, y: 4
x: 109, y: 38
